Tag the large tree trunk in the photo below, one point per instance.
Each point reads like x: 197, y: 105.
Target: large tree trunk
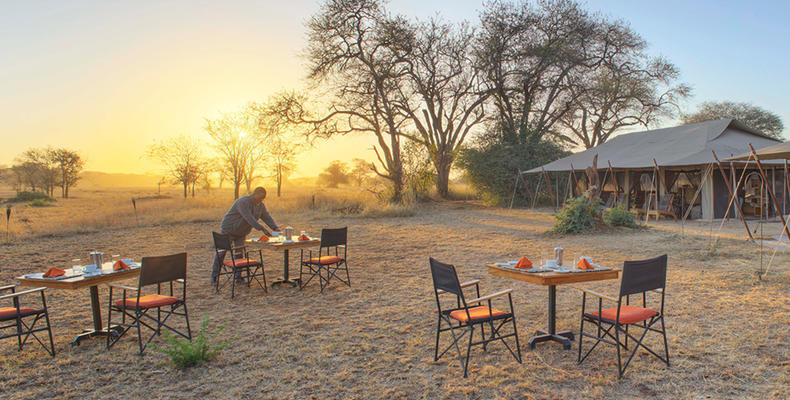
x: 236, y: 186
x: 186, y: 189
x: 443, y: 181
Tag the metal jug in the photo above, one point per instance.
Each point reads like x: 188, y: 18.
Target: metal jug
x: 288, y: 232
x: 97, y: 259
x: 558, y: 255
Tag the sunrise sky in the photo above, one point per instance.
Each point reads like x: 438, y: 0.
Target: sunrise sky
x: 109, y: 78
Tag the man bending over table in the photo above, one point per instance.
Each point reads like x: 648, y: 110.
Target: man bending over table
x: 239, y: 221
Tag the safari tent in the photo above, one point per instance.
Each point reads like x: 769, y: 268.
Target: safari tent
x: 681, y: 167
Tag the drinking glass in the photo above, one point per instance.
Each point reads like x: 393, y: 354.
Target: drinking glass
x: 76, y: 265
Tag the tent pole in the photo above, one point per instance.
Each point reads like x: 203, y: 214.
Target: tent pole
x: 515, y: 187
x: 647, y: 202
x: 773, y: 186
x: 616, y: 184
x: 770, y: 191
x: 743, y: 174
x: 535, y: 197
x: 548, y: 188
x: 526, y: 186
x: 732, y: 196
x: 568, y: 189
x: 784, y: 195
x: 575, y: 181
x: 708, y: 170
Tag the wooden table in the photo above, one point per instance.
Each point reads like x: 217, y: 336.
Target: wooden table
x: 552, y: 279
x: 279, y: 244
x: 79, y: 282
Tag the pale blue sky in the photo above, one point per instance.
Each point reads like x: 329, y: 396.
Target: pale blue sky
x: 109, y: 77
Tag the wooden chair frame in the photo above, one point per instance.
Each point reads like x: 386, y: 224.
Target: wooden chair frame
x: 639, y: 277
x: 24, y: 329
x: 445, y: 281
x: 154, y: 271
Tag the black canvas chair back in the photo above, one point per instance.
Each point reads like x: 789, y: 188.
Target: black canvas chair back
x: 644, y: 275
x: 334, y: 237
x: 332, y: 259
x: 222, y: 242
x: 644, y: 278
x: 461, y: 319
x: 150, y: 310
x: 163, y: 269
x: 445, y: 278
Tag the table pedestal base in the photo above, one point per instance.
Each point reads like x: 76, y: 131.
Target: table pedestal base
x: 563, y: 337
x: 92, y: 333
x: 293, y: 283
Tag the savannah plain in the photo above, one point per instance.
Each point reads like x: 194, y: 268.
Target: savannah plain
x: 727, y: 330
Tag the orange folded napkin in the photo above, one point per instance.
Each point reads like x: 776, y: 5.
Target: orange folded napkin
x: 119, y: 265
x: 263, y: 238
x: 54, y: 272
x: 303, y: 237
x: 584, y: 264
x: 524, y: 263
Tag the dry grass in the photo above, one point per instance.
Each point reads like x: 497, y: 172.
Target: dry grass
x: 97, y: 210
x: 727, y: 331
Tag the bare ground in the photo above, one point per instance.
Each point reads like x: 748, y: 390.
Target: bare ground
x: 728, y: 332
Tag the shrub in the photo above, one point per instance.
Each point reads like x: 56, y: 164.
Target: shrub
x: 185, y: 353
x: 29, y: 196
x: 619, y: 216
x: 40, y: 203
x: 491, y: 168
x: 578, y: 215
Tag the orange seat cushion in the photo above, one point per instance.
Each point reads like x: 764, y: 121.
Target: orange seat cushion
x: 324, y: 260
x: 149, y: 301
x: 6, y: 312
x: 476, y: 313
x: 628, y: 314
x: 241, y: 262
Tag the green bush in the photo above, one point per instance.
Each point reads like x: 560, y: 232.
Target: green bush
x: 29, y: 196
x: 491, y: 168
x: 40, y: 203
x: 619, y: 216
x: 185, y: 353
x: 578, y: 215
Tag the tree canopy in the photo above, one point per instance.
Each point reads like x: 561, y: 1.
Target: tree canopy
x: 749, y: 114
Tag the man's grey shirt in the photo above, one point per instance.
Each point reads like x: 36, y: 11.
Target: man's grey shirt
x: 244, y: 215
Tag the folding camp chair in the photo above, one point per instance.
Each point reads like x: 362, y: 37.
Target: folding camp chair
x: 467, y: 315
x: 154, y: 271
x: 238, y: 265
x: 326, y: 265
x: 23, y: 320
x: 639, y: 277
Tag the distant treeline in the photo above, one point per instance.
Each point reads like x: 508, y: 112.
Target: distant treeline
x: 43, y: 170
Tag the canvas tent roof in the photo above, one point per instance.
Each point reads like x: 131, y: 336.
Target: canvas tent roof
x: 686, y: 145
x: 776, y: 152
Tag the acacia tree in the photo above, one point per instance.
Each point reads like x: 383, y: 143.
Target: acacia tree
x: 335, y: 174
x: 352, y: 59
x: 531, y: 57
x: 444, y: 97
x: 751, y: 115
x: 235, y: 140
x: 183, y: 158
x: 39, y: 170
x: 628, y: 88
x: 279, y: 142
x: 70, y: 164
